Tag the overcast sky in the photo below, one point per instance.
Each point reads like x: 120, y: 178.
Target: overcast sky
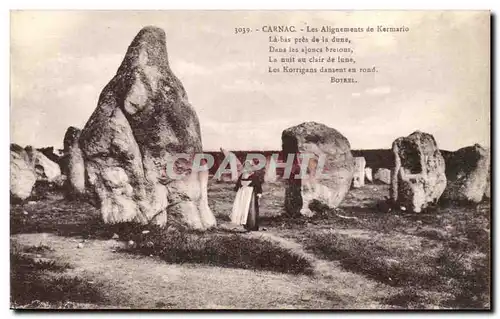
x: 434, y: 78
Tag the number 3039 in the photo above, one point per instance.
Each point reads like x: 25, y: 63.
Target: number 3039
x: 241, y: 30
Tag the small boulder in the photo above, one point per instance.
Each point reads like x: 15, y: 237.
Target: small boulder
x: 45, y: 169
x: 383, y: 175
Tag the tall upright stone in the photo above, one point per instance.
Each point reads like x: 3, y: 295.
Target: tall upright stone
x: 270, y: 169
x: 132, y: 141
x: 231, y: 163
x: 73, y: 163
x: 359, y: 172
x: 323, y: 149
x: 418, y: 177
x: 369, y: 174
x: 468, y: 173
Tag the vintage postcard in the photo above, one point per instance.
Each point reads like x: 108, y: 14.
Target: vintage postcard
x: 334, y: 160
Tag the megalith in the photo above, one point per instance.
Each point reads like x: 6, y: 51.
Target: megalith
x: 231, y: 167
x: 134, y: 142
x: 271, y: 168
x: 45, y: 169
x: 73, y: 163
x: 327, y: 167
x: 22, y: 174
x: 468, y: 174
x: 359, y: 172
x: 418, y: 178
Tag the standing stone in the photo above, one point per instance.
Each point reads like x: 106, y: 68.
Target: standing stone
x: 74, y: 166
x: 419, y: 176
x: 383, y: 175
x: 487, y: 191
x: 132, y: 143
x: 45, y: 169
x: 22, y: 174
x: 468, y: 173
x: 359, y: 172
x: 232, y: 163
x: 270, y: 169
x: 329, y: 186
x: 368, y: 174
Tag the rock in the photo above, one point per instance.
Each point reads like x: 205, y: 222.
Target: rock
x: 145, y: 232
x: 383, y: 175
x: 45, y: 169
x: 231, y: 164
x: 368, y: 174
x: 359, y: 172
x: 390, y: 262
x: 468, y: 174
x: 329, y: 187
x: 131, y: 244
x: 50, y: 153
x: 143, y: 121
x: 73, y: 163
x: 487, y: 191
x: 22, y: 174
x: 270, y: 169
x: 418, y: 179
x: 80, y: 245
x: 115, y: 236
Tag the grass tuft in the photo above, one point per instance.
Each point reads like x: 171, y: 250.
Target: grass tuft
x: 224, y: 250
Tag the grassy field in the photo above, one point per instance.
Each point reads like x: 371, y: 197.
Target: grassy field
x: 357, y: 256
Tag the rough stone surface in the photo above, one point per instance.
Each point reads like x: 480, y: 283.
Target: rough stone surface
x: 487, y: 191
x: 230, y: 163
x: 50, y: 153
x: 45, y: 169
x: 22, y: 174
x: 332, y: 184
x: 270, y: 170
x: 142, y: 122
x: 418, y: 178
x: 368, y: 174
x: 359, y: 172
x: 383, y: 175
x: 468, y: 174
x: 73, y: 163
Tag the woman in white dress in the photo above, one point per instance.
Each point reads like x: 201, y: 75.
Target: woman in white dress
x: 246, y: 203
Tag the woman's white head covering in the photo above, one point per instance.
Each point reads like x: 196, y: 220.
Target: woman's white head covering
x: 247, y: 166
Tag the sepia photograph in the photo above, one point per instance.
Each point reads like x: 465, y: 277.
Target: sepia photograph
x: 250, y: 160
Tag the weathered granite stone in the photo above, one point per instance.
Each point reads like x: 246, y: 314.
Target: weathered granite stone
x: 418, y: 178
